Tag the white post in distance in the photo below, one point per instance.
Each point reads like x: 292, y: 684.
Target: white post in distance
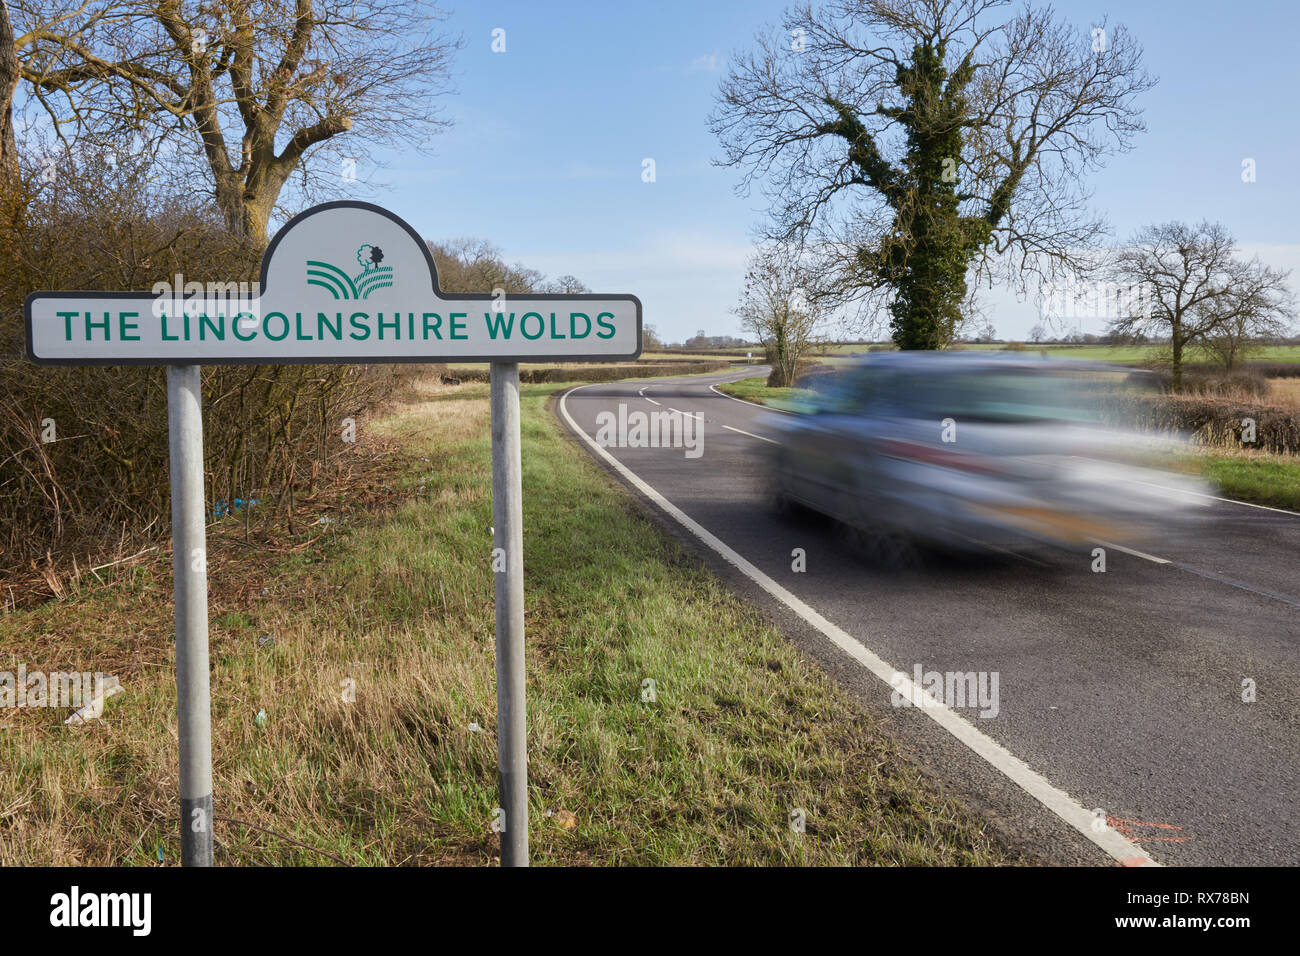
x: 189, y: 570
x: 508, y: 535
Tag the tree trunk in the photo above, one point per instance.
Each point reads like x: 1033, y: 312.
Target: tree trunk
x: 9, y: 75
x: 1176, y: 339
x: 783, y: 364
x: 247, y: 204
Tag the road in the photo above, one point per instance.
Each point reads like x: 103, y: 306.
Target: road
x: 1119, y: 691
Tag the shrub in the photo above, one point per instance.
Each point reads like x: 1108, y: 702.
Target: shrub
x: 1209, y: 420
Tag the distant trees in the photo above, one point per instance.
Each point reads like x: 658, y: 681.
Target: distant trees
x: 781, y: 308
x: 1193, y: 287
x: 914, y: 142
x: 702, y: 340
x: 565, y: 285
x: 477, y: 266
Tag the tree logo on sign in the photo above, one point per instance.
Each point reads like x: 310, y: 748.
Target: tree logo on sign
x: 372, y: 276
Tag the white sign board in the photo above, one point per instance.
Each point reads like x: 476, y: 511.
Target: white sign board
x: 344, y: 282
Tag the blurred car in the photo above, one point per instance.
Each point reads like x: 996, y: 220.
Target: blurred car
x: 965, y: 450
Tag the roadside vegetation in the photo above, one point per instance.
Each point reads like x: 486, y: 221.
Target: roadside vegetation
x: 757, y: 390
x: 387, y: 582
x: 1254, y: 476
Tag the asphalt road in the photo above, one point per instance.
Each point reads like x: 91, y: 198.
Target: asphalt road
x: 1123, y: 689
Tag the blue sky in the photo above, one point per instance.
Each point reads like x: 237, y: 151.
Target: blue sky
x: 545, y: 157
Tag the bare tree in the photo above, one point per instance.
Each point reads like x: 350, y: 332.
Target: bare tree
x: 476, y: 265
x: 1195, y: 289
x: 780, y: 306
x: 1231, y: 343
x: 565, y: 285
x: 258, y: 88
x: 918, y: 144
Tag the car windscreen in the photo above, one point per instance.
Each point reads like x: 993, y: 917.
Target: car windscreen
x: 998, y: 395
x: 973, y: 394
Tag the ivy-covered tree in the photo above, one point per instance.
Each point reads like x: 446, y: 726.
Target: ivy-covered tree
x: 922, y: 144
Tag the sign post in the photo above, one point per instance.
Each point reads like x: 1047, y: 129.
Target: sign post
x: 190, y: 577
x: 348, y: 283
x: 508, y: 535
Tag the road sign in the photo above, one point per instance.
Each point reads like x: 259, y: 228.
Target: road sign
x: 344, y: 282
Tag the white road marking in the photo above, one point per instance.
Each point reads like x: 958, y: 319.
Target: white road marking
x: 751, y: 434
x: 1137, y: 554
x: 766, y: 408
x: 680, y: 412
x: 1231, y: 501
x: 997, y: 756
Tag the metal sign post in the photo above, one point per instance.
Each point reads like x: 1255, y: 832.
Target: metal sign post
x: 508, y: 535
x: 344, y: 282
x: 190, y: 575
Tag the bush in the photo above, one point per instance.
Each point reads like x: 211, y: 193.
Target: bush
x: 1209, y: 380
x: 1209, y: 420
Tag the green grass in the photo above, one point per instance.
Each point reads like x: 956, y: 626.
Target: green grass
x: 755, y: 390
x: 397, y: 595
x: 1258, y: 477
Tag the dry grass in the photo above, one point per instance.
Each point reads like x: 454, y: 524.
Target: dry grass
x: 1285, y: 392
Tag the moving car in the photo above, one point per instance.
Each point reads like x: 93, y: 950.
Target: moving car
x: 967, y: 450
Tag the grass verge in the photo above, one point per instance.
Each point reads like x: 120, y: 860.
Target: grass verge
x: 756, y: 390
x: 396, y: 594
x: 1258, y: 477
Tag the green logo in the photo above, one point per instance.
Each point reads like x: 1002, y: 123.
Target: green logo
x: 342, y: 286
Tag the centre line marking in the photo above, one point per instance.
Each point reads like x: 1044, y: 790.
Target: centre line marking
x: 997, y: 756
x: 751, y: 434
x: 1137, y: 554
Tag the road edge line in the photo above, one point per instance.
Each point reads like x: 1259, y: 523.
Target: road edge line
x: 766, y: 408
